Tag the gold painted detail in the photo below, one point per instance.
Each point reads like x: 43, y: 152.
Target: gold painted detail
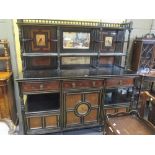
x: 82, y: 109
x: 40, y: 40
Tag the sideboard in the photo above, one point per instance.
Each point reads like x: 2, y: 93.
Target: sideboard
x: 74, y: 72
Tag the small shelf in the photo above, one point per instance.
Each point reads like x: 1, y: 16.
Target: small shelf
x: 72, y: 54
x: 79, y: 54
x: 117, y: 41
x: 112, y: 54
x: 117, y: 105
x: 43, y: 102
x: 39, y: 54
x: 29, y: 39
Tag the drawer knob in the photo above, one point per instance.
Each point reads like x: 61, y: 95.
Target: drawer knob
x: 94, y: 83
x: 73, y: 84
x: 41, y: 86
x: 33, y: 87
x: 120, y: 82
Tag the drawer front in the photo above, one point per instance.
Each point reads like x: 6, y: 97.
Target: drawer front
x: 119, y: 82
x: 40, y: 86
x: 83, y: 84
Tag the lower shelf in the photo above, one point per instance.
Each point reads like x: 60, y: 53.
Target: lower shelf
x: 43, y: 102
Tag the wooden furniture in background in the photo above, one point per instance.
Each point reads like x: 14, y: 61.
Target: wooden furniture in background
x: 143, y: 56
x: 7, y: 101
x: 128, y: 124
x: 147, y: 97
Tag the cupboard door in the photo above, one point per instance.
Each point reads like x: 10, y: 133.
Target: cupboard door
x: 81, y: 107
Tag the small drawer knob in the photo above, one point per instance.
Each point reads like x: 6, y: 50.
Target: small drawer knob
x: 73, y: 84
x: 120, y: 82
x: 41, y: 86
x: 33, y: 87
x: 94, y: 83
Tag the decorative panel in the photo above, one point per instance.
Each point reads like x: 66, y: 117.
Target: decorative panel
x: 72, y: 100
x: 92, y: 116
x: 76, y: 40
x: 72, y: 118
x: 93, y: 98
x: 35, y: 122
x: 51, y: 121
x: 41, y: 40
x: 41, y: 61
x: 108, y: 38
x: 106, y: 60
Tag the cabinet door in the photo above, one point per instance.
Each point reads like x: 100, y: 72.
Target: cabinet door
x: 81, y: 108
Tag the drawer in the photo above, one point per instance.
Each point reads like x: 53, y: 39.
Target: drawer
x: 40, y: 86
x: 119, y: 82
x: 83, y: 84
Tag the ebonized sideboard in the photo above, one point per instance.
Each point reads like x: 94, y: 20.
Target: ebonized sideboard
x: 74, y: 72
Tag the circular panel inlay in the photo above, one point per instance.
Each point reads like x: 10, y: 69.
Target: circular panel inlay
x: 82, y: 109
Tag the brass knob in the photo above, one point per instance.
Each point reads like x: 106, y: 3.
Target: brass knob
x: 33, y: 87
x: 120, y: 82
x: 73, y: 84
x: 94, y: 83
x: 41, y: 86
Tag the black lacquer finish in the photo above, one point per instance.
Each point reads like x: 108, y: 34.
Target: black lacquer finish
x: 69, y: 67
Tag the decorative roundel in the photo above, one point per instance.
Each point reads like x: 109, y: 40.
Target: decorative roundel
x: 82, y: 109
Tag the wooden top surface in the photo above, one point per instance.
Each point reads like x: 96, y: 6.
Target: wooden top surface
x: 130, y: 125
x: 5, y: 75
